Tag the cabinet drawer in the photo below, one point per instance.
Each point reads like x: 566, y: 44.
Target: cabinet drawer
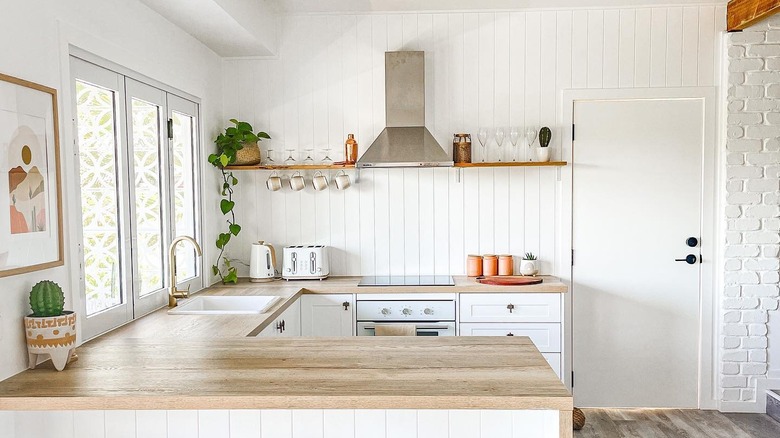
x: 510, y: 307
x: 545, y: 336
x: 554, y: 359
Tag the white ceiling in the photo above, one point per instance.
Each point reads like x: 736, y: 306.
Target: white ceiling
x: 247, y: 28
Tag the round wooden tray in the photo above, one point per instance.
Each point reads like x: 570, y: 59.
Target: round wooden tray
x: 509, y: 280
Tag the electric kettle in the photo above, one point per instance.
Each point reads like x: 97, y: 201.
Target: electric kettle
x: 262, y: 262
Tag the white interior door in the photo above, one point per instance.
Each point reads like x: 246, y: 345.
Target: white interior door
x: 637, y: 198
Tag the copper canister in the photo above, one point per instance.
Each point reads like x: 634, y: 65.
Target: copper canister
x: 461, y: 148
x: 506, y: 265
x: 474, y: 265
x: 489, y: 265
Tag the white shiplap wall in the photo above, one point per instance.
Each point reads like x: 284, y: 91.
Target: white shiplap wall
x: 482, y: 69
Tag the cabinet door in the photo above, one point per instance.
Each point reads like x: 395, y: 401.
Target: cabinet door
x: 510, y: 307
x: 327, y: 315
x: 545, y: 336
x: 287, y: 324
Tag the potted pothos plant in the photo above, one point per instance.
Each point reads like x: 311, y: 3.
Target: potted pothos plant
x: 228, y: 144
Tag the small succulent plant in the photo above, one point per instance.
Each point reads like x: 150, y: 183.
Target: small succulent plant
x: 529, y: 256
x: 545, y: 135
x: 47, y: 299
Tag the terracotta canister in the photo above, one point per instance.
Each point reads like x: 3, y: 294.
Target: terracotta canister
x: 474, y: 265
x: 489, y: 265
x: 506, y: 265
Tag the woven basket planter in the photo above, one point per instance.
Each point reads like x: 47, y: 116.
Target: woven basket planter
x: 248, y: 155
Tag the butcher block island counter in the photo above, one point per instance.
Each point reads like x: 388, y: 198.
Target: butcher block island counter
x: 486, y: 385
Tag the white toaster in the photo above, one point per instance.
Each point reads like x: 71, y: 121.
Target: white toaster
x: 305, y: 262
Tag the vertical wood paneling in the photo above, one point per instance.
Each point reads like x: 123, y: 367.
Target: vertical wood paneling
x: 642, y: 47
x: 674, y: 43
x: 276, y: 423
x: 339, y: 423
x: 611, y: 48
x: 370, y: 423
x: 465, y: 424
x: 8, y: 424
x: 658, y: 35
x: 307, y: 423
x: 151, y: 424
x: 212, y: 423
x: 181, y: 424
x: 627, y: 46
x: 433, y: 424
x: 595, y: 49
x: 92, y: 424
x: 121, y: 424
x: 493, y: 424
x: 482, y: 69
x: 401, y: 423
x: 244, y: 424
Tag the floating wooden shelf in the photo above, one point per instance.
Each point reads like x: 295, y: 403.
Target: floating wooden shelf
x: 513, y: 164
x: 294, y: 167
x: 352, y: 166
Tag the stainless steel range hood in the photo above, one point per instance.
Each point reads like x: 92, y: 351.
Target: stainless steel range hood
x: 405, y: 142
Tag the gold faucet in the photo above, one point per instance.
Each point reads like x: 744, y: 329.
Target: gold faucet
x: 174, y: 293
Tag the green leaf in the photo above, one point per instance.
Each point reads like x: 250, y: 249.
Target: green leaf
x: 234, y: 121
x: 231, y: 277
x: 226, y: 206
x: 235, y: 181
x: 235, y: 229
x: 263, y: 135
x: 224, y: 160
x: 231, y: 132
x: 213, y: 158
x: 244, y: 126
x: 215, y: 269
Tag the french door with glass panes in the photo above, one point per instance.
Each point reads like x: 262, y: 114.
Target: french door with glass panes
x: 136, y: 147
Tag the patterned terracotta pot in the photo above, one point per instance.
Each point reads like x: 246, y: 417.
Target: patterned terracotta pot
x: 52, y: 335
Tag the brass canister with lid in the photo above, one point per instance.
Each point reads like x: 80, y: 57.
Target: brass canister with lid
x: 461, y: 148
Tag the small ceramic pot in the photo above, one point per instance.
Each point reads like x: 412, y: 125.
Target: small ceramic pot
x: 529, y: 267
x: 543, y: 154
x: 474, y: 265
x: 506, y: 265
x: 51, y: 335
x: 274, y: 183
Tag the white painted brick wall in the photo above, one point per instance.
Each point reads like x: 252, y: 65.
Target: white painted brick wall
x: 752, y: 213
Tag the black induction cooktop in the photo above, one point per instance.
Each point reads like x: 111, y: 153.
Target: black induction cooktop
x: 407, y: 280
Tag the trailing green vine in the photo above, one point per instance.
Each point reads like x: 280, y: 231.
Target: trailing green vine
x: 228, y: 144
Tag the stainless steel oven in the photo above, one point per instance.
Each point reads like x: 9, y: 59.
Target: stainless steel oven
x: 430, y: 317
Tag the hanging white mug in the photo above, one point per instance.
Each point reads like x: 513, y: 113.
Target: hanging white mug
x: 297, y: 183
x: 319, y: 181
x: 274, y: 183
x: 342, y: 181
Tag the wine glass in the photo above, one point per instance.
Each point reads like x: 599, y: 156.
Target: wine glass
x: 309, y: 160
x: 268, y: 160
x: 530, y: 137
x: 514, y: 137
x: 499, y: 140
x: 482, y: 136
x: 290, y: 160
x: 327, y: 160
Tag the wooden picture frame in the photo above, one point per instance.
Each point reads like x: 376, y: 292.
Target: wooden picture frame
x: 31, y: 223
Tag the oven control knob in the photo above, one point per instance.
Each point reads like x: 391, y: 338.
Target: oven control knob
x: 385, y: 311
x: 407, y: 311
x: 428, y: 311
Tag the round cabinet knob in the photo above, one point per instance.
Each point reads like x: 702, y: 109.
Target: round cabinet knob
x: 428, y: 311
x: 385, y: 311
x: 407, y: 311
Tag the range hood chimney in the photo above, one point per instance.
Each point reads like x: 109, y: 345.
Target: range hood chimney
x: 405, y: 141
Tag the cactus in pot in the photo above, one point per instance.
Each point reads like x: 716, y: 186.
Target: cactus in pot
x: 50, y: 330
x: 47, y: 299
x: 543, y: 153
x: 529, y: 265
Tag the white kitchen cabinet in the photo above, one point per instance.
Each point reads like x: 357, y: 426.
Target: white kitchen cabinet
x: 328, y: 315
x: 288, y: 324
x: 537, y: 316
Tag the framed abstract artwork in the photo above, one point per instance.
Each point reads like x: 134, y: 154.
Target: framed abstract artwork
x: 30, y: 181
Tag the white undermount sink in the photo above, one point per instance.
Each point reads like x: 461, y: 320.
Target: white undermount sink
x: 226, y: 305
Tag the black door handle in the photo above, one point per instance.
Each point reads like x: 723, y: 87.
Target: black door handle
x: 692, y: 242
x: 689, y: 259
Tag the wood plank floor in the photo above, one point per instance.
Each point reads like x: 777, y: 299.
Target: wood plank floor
x: 675, y: 423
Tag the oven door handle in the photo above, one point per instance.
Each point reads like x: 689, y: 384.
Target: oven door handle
x: 419, y: 327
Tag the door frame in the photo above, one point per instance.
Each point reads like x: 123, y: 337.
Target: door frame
x: 711, y: 228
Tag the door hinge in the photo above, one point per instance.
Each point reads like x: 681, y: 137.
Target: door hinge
x: 572, y: 257
x: 572, y: 379
x: 572, y: 132
x: 170, y: 129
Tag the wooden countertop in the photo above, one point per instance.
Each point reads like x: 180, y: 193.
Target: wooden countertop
x: 295, y: 373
